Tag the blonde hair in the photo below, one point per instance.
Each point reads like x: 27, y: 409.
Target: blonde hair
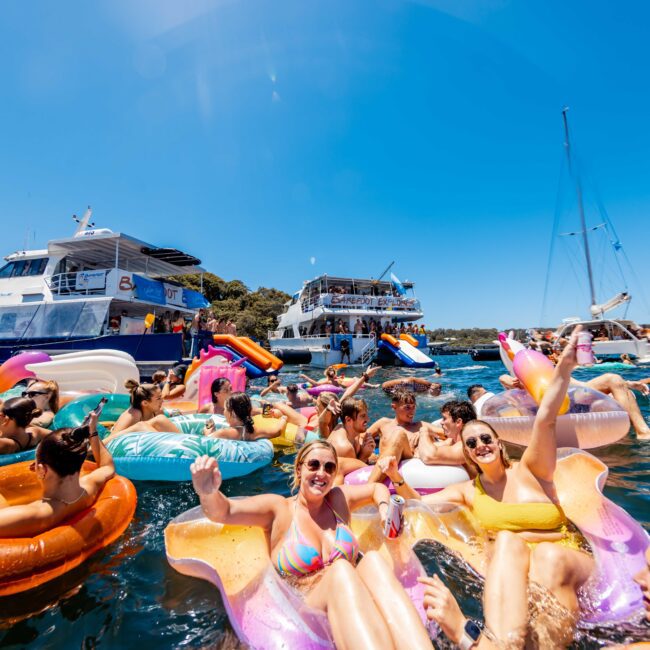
x: 505, y: 459
x: 300, y: 458
x: 53, y: 389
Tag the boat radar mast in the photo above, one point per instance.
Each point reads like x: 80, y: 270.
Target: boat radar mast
x: 597, y: 311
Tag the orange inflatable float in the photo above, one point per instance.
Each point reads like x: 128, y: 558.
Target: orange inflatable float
x: 26, y: 562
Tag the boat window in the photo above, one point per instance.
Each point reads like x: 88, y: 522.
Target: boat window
x: 24, y: 268
x: 65, y: 319
x: 14, y: 320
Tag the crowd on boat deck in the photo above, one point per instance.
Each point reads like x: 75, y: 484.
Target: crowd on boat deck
x: 362, y: 327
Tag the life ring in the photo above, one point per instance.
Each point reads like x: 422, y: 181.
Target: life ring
x: 27, y: 562
x: 324, y: 388
x: 593, y: 418
x: 423, y: 478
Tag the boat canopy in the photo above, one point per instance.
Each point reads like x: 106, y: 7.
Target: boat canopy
x: 112, y: 249
x: 351, y: 286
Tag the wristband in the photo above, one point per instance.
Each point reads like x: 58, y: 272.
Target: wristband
x: 382, y: 503
x: 93, y: 435
x: 398, y: 483
x: 365, y: 376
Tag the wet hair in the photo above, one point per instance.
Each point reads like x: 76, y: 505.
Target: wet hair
x: 52, y: 388
x: 505, y: 459
x: 140, y: 392
x: 240, y: 405
x: 158, y: 376
x: 330, y: 372
x: 403, y: 396
x: 64, y: 450
x: 271, y: 379
x: 22, y: 410
x: 216, y: 387
x: 457, y: 409
x: 325, y: 398
x: 180, y: 370
x: 302, y: 454
x: 292, y: 388
x: 473, y: 389
x: 351, y: 407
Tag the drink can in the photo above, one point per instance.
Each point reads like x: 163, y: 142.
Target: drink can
x: 394, y: 516
x: 584, y: 352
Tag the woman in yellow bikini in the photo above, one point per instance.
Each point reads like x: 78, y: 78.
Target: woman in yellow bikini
x: 517, y: 503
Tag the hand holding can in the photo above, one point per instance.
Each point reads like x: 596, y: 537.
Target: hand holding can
x: 394, y: 516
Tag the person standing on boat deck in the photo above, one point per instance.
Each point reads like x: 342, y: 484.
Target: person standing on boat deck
x: 345, y: 350
x: 358, y: 328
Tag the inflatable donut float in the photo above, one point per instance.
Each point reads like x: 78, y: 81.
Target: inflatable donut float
x: 26, y: 562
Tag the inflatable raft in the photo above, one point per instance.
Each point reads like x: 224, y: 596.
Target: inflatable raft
x: 27, y: 562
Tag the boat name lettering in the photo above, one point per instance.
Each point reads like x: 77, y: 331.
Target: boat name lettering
x: 376, y: 302
x: 125, y: 283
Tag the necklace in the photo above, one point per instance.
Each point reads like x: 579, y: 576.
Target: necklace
x: 67, y: 503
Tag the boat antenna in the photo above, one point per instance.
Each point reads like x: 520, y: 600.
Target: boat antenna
x: 84, y: 222
x: 388, y: 268
x: 581, y: 209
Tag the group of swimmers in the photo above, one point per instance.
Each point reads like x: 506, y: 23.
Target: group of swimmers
x: 535, y: 556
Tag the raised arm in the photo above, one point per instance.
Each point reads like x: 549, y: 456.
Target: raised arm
x: 358, y: 496
x: 259, y: 510
x: 105, y: 465
x: 313, y: 382
x: 360, y: 381
x: 540, y: 455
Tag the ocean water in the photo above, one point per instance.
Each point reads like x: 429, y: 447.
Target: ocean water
x: 127, y: 595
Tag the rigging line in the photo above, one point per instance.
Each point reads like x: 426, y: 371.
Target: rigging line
x: 556, y: 224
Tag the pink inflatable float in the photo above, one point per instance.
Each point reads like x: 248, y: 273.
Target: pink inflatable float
x: 15, y: 369
x: 207, y: 374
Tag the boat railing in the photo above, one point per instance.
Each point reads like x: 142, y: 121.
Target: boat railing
x: 79, y: 283
x: 347, y: 301
x: 369, y: 351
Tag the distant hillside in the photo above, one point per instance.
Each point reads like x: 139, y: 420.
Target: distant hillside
x: 463, y: 338
x: 254, y: 312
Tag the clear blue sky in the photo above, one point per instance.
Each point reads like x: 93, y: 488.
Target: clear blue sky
x: 259, y: 135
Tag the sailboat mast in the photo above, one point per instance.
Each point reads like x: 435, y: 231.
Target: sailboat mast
x: 581, y: 209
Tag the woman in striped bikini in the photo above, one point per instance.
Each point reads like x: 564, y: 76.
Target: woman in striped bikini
x: 312, y: 545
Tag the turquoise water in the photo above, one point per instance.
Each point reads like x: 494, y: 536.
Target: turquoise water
x: 127, y: 595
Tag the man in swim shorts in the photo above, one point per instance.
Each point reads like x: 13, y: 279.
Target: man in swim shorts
x: 405, y: 438
x: 478, y: 395
x: 351, y: 438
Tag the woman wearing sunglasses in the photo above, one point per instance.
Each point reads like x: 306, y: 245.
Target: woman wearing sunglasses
x: 311, y: 544
x: 16, y: 415
x: 46, y: 397
x: 220, y: 390
x: 535, y: 553
x: 59, y: 458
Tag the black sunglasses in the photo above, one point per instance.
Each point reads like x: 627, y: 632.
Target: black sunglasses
x: 313, y: 465
x: 485, y: 438
x: 34, y: 393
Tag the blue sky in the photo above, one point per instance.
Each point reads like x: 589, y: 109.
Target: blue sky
x: 259, y: 135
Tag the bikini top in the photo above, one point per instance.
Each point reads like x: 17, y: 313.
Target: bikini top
x: 297, y: 557
x: 497, y: 515
x: 30, y: 442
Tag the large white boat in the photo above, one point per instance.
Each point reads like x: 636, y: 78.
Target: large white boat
x: 369, y: 315
x: 611, y: 337
x: 93, y: 290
